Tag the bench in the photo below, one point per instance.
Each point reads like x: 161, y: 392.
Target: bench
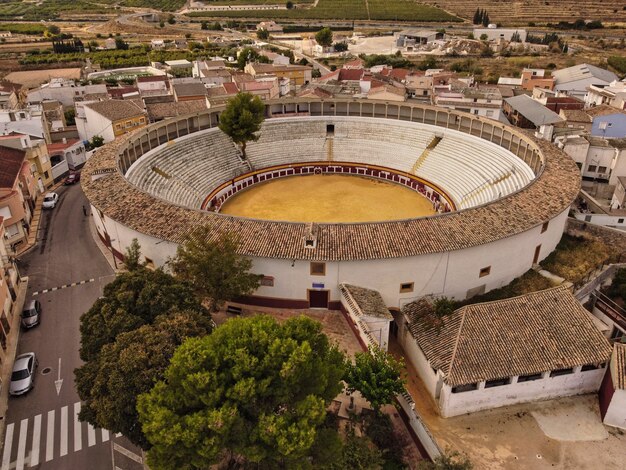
x: 234, y: 310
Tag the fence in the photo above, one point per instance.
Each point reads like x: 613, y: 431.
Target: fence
x: 427, y: 442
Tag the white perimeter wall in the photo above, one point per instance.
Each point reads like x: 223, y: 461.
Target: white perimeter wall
x: 450, y: 274
x: 616, y: 413
x: 454, y: 404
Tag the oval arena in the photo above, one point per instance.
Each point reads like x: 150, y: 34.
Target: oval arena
x: 498, y: 198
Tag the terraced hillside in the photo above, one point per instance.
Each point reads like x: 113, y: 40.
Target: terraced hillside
x: 540, y: 11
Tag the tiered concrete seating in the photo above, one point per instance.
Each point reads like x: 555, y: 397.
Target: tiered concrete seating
x: 187, y: 170
x: 470, y: 170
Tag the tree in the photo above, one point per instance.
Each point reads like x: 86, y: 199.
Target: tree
x: 121, y: 44
x: 53, y: 30
x: 210, y: 263
x: 70, y: 117
x: 448, y: 461
x: 476, y: 19
x: 110, y: 384
x: 95, y: 142
x: 254, y: 387
x: 204, y: 25
x: 324, y: 37
x: 484, y: 37
x: 377, y: 376
x: 132, y: 300
x: 171, y: 19
x: 263, y: 34
x: 242, y: 117
x: 485, y: 19
x: 289, y: 5
x: 133, y: 255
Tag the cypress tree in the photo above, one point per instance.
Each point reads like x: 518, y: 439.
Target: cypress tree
x: 476, y: 19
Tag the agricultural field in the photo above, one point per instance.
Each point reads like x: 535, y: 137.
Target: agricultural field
x: 209, y: 3
x: 164, y: 5
x: 400, y: 10
x: 48, y: 9
x: 35, y: 29
x: 537, y: 11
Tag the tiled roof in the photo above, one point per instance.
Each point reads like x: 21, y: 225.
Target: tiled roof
x: 618, y: 366
x: 604, y: 110
x: 368, y: 301
x: 158, y: 111
x: 10, y: 164
x: 189, y: 89
x: 550, y: 194
x: 114, y: 110
x: 576, y: 115
x: 529, y: 334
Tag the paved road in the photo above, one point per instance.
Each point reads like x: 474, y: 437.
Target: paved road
x: 42, y: 429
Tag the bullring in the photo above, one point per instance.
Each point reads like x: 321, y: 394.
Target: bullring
x: 499, y: 215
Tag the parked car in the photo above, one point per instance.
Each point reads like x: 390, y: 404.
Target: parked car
x: 50, y: 200
x: 73, y: 178
x: 23, y: 376
x: 31, y: 315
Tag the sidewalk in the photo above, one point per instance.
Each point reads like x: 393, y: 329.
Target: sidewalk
x: 11, y: 350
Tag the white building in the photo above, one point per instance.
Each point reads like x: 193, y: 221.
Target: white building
x: 63, y: 90
x: 597, y: 158
x: 613, y: 94
x: 110, y: 43
x: 269, y: 26
x: 157, y: 44
x: 499, y: 34
x: 66, y: 155
x: 480, y: 101
x: 109, y: 119
x: 575, y: 80
x: 613, y: 392
x: 534, y: 347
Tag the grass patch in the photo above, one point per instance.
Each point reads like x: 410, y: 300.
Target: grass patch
x: 24, y: 28
x: 397, y: 10
x: 530, y: 281
x: 575, y: 257
x: 618, y: 63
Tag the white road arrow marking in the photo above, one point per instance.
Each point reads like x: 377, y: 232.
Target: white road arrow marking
x: 59, y: 382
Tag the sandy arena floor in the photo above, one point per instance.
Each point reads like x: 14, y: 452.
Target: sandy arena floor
x: 328, y: 199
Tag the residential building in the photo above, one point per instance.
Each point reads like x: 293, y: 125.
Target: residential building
x: 157, y: 44
x: 15, y: 205
x: 419, y: 87
x: 63, y: 90
x: 266, y: 88
x: 24, y: 121
x: 527, y: 113
x: 277, y: 59
x: 153, y: 85
x: 109, y: 43
x: 575, y: 80
x: 110, y: 119
x: 66, y: 155
x: 598, y: 158
x: 500, y: 34
x: 198, y: 66
x: 189, y: 91
x: 36, y: 155
x: 613, y: 390
x: 613, y: 94
x: 387, y: 92
x: 537, y: 346
x: 298, y: 75
x: 178, y: 66
x: 576, y: 119
x: 607, y: 121
x: 532, y: 78
x: 479, y: 100
x: 9, y: 287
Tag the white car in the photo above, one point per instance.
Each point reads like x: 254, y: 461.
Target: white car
x: 50, y: 200
x: 23, y: 376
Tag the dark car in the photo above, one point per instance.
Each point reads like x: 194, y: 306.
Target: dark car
x: 31, y: 315
x: 72, y: 178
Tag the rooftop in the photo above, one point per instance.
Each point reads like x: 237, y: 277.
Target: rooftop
x: 158, y: 111
x: 556, y: 187
x: 575, y: 115
x: 10, y: 164
x: 603, y: 110
x: 368, y: 301
x: 189, y: 89
x: 530, y: 334
x: 532, y: 110
x: 581, y: 72
x: 114, y: 110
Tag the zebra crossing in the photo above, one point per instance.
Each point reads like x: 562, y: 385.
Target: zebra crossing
x: 25, y: 445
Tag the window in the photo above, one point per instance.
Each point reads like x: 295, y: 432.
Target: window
x: 118, y: 126
x: 528, y: 378
x: 497, y: 382
x: 536, y: 255
x: 601, y: 169
x: 484, y: 271
x: 592, y: 367
x: 620, y: 221
x: 330, y: 129
x: 544, y: 227
x: 579, y: 165
x: 46, y: 175
x: 464, y: 388
x: 557, y: 372
x: 592, y: 168
x: 267, y: 281
x: 128, y: 123
x: 406, y: 287
x: 489, y: 113
x: 318, y: 269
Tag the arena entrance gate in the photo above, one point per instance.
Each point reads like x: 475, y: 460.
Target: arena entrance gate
x: 318, y: 298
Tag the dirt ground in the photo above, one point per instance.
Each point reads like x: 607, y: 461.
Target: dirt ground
x: 34, y: 78
x: 563, y: 434
x: 328, y: 199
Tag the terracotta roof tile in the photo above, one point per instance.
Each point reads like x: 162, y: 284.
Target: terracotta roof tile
x: 368, y: 301
x: 529, y: 334
x: 10, y: 164
x: 618, y: 366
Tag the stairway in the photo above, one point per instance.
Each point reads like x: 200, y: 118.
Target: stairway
x: 422, y: 158
x: 329, y: 149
